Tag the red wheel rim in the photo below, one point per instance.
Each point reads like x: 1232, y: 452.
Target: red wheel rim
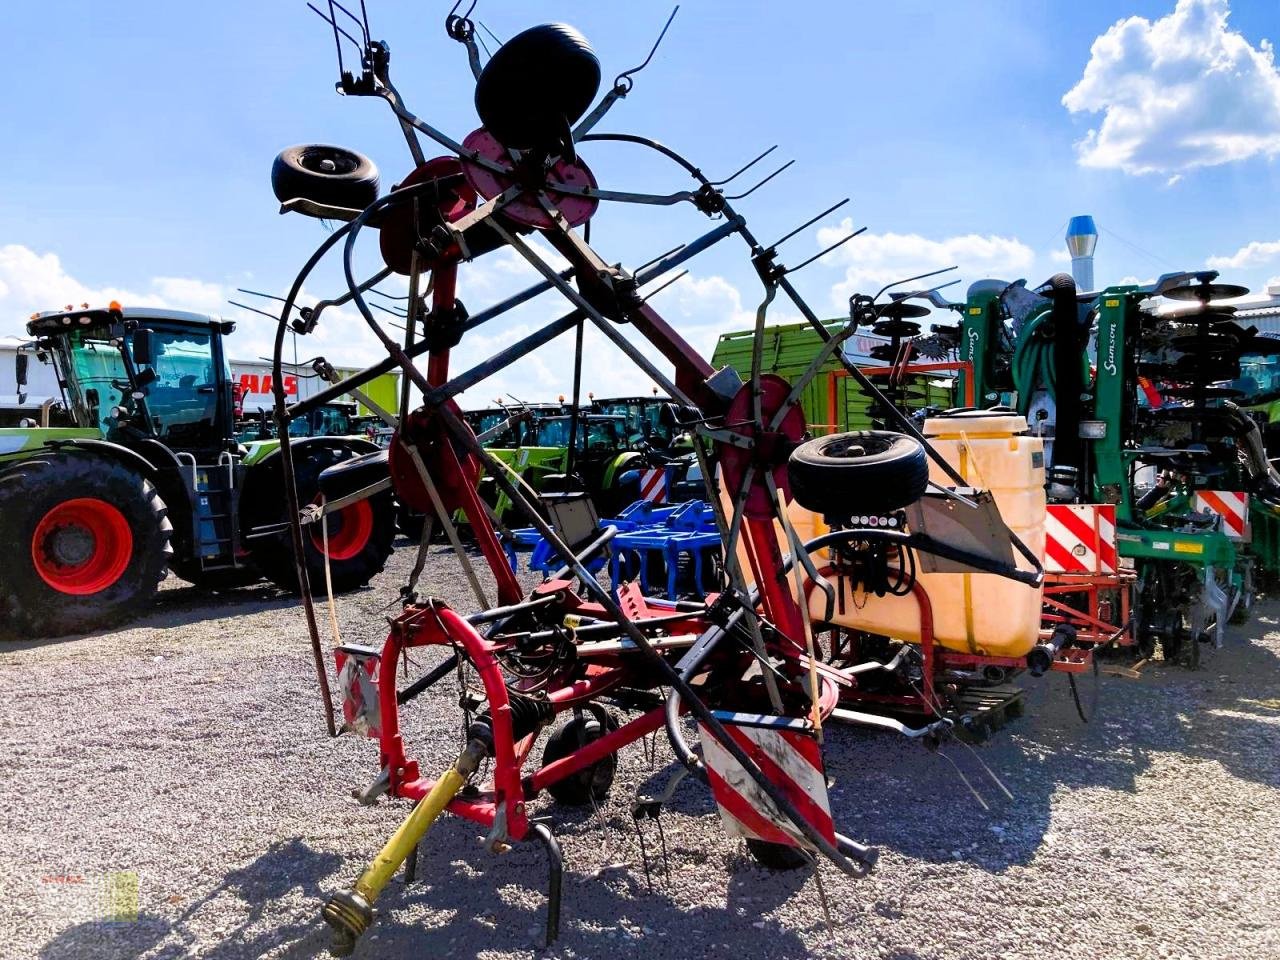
x: 82, y: 546
x: 349, y: 530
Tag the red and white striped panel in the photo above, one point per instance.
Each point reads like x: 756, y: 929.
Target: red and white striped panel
x: 653, y: 485
x: 1080, y: 538
x: 358, y: 688
x: 1233, y: 507
x: 786, y: 751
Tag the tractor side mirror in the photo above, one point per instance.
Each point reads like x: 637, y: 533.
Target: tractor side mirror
x: 20, y: 363
x: 143, y: 347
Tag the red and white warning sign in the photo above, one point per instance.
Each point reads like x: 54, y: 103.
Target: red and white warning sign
x: 1233, y: 507
x: 1080, y: 538
x: 653, y: 485
x: 788, y: 754
x: 358, y: 687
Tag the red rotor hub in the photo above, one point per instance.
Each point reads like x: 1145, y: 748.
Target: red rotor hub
x: 771, y: 448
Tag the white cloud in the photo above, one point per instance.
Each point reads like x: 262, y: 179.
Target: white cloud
x: 1059, y: 256
x: 1177, y: 93
x: 873, y: 260
x: 1251, y: 254
x: 700, y: 308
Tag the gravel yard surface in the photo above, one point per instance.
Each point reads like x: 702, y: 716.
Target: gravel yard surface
x: 187, y: 753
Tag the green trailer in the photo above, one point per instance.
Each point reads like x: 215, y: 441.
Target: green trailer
x: 788, y: 350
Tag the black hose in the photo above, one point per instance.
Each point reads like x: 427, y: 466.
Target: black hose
x: 1068, y: 345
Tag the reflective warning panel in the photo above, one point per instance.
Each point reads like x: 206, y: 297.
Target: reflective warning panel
x: 1232, y: 507
x: 786, y: 750
x: 358, y: 688
x: 1080, y: 538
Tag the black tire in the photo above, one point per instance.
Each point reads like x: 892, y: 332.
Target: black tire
x: 536, y: 86
x: 592, y: 784
x: 274, y: 555
x: 49, y: 507
x: 868, y: 471
x: 216, y: 580
x: 777, y: 856
x: 329, y: 175
x: 410, y: 523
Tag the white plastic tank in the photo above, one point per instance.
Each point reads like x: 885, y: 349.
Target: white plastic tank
x: 972, y: 612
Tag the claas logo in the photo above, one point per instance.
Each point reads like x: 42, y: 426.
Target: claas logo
x: 254, y: 383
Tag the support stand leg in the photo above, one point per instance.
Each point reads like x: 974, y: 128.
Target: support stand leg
x: 555, y: 875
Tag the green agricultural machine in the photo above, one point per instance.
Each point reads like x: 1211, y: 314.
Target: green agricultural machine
x: 832, y: 403
x: 150, y: 477
x: 1124, y: 386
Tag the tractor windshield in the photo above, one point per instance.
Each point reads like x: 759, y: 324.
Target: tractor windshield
x: 98, y: 381
x: 183, y: 398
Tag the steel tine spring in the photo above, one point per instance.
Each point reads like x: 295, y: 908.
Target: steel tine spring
x: 955, y: 766
x: 898, y: 283
x: 649, y: 296
x: 743, y: 169
x: 627, y: 75
x: 662, y: 256
x: 740, y: 196
x: 392, y: 296
x: 245, y: 306
x: 255, y: 293
x: 337, y: 42
x: 454, y: 10
x: 333, y: 22
x: 491, y: 34
x: 808, y: 223
x: 909, y: 294
x: 822, y: 253
x: 362, y: 24
x: 394, y: 313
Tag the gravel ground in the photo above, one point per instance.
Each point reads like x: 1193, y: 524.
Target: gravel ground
x: 188, y: 752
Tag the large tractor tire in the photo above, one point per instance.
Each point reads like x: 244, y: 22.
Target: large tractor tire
x: 227, y: 578
x: 88, y: 541
x: 360, y: 536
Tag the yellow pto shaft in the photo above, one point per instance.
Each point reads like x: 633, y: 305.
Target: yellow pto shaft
x: 351, y: 912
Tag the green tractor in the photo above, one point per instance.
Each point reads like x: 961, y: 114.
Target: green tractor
x: 149, y: 477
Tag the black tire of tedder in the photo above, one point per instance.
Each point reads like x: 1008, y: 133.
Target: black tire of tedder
x: 273, y: 555
x: 591, y: 785
x: 28, y: 491
x: 536, y: 85
x: 329, y: 175
x: 867, y: 471
x: 777, y: 856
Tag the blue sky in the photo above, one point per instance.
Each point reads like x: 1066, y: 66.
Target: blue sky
x: 141, y: 136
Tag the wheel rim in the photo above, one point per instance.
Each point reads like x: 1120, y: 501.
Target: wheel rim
x: 327, y: 160
x: 82, y: 546
x: 854, y: 448
x: 349, y: 530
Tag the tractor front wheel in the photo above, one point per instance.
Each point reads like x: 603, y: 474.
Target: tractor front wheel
x: 89, y: 541
x: 359, y: 536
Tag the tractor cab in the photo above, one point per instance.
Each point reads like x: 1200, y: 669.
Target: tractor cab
x: 143, y: 374
x: 644, y: 417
